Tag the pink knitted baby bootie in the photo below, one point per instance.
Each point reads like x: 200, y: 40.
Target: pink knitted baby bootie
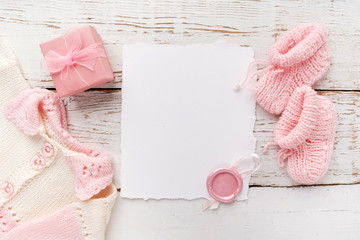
x: 305, y: 133
x: 301, y: 57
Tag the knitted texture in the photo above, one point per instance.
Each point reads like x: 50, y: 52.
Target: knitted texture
x: 60, y: 225
x: 33, y: 107
x: 36, y: 178
x: 77, y: 221
x: 301, y: 57
x: 305, y: 133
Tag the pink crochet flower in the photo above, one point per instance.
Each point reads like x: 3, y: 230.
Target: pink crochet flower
x: 38, y: 161
x: 48, y: 150
x: 305, y: 133
x: 8, y: 189
x: 301, y: 57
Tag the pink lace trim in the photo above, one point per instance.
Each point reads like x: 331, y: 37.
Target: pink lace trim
x: 26, y: 111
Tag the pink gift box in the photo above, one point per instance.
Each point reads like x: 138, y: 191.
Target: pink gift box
x: 74, y: 71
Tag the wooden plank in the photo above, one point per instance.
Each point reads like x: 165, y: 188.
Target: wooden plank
x: 249, y: 23
x: 94, y: 118
x: 329, y: 212
x: 282, y: 211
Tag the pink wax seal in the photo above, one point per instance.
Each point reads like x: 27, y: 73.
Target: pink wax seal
x: 224, y: 184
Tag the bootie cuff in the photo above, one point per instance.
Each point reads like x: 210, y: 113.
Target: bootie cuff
x: 298, y: 119
x: 298, y: 45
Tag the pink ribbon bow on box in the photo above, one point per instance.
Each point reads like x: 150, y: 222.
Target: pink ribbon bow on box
x: 76, y: 55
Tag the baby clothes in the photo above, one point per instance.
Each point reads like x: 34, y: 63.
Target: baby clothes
x: 41, y: 112
x: 45, y: 170
x: 79, y: 220
x: 301, y: 57
x: 305, y: 133
x: 306, y: 129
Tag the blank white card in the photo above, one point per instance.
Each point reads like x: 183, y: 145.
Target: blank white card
x: 181, y: 118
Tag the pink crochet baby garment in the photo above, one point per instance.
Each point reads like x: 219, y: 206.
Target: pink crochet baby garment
x: 78, y: 220
x: 34, y: 109
x: 305, y: 133
x: 60, y: 225
x: 44, y: 171
x: 301, y: 57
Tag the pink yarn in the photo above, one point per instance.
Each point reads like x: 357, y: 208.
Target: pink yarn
x: 92, y: 174
x: 305, y: 133
x: 27, y: 111
x: 301, y: 57
x: 60, y: 225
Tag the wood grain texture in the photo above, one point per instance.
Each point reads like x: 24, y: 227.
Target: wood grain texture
x: 277, y: 208
x: 315, y: 213
x: 94, y: 117
x: 248, y: 23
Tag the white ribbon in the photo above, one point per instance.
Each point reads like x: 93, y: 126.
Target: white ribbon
x: 212, y: 203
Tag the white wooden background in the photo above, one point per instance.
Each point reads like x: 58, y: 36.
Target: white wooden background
x: 277, y: 208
